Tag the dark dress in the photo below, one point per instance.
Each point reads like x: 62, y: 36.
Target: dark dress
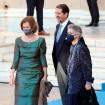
x: 79, y: 71
x: 29, y: 60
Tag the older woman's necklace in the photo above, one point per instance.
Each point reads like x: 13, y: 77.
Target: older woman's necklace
x: 29, y: 39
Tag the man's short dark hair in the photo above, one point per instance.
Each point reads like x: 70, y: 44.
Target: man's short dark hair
x: 64, y: 7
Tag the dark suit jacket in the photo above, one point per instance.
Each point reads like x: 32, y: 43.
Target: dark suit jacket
x: 63, y: 49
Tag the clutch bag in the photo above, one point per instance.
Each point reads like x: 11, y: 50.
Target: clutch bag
x: 48, y: 86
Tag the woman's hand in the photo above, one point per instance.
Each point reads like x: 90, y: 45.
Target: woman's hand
x: 45, y: 74
x: 88, y: 86
x: 11, y: 81
x: 44, y: 78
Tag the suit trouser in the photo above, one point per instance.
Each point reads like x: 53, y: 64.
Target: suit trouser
x: 39, y: 4
x: 62, y: 81
x: 94, y: 11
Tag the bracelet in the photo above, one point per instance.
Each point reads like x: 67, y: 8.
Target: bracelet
x: 46, y: 74
x: 89, y: 83
x: 11, y: 76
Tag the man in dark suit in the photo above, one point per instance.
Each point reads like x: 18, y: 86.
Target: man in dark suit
x: 94, y: 12
x: 61, y: 48
x: 39, y: 4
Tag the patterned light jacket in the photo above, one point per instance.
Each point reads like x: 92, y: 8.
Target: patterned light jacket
x: 79, y: 69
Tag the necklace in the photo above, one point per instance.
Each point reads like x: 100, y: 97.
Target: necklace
x: 29, y: 39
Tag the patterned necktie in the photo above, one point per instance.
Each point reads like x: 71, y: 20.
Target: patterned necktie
x: 59, y: 33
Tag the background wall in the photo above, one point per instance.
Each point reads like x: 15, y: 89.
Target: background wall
x: 16, y: 10
x: 51, y: 4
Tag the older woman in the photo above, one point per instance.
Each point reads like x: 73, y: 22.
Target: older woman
x: 79, y: 66
x: 30, y: 63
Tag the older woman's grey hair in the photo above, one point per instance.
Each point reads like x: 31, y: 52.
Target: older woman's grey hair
x: 77, y: 29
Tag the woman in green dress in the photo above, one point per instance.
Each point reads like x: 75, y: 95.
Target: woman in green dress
x: 29, y: 63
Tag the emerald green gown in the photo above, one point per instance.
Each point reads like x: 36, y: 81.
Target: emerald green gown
x: 29, y: 60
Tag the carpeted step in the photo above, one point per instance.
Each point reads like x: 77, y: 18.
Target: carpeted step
x: 100, y: 98
x: 103, y: 87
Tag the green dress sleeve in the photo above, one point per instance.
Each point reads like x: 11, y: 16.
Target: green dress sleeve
x: 43, y: 53
x: 16, y: 55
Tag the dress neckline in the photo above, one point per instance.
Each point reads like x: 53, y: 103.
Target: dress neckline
x: 29, y: 42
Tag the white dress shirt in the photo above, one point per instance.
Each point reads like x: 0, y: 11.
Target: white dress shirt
x: 63, y: 25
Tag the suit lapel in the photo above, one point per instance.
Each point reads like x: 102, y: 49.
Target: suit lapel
x: 57, y: 27
x: 63, y: 36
